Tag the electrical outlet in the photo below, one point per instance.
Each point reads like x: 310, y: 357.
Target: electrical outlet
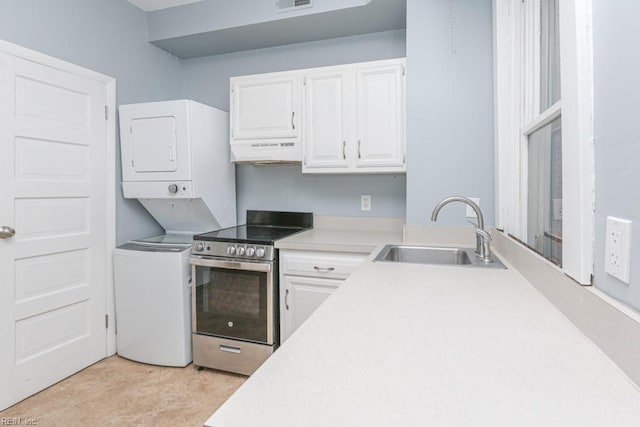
x: 470, y: 213
x: 365, y: 202
x: 617, y: 259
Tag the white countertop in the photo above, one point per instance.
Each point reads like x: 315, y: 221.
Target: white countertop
x: 322, y: 239
x: 413, y: 345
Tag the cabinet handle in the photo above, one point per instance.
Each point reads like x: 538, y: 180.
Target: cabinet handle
x: 293, y: 125
x: 344, y: 150
x: 325, y: 269
x: 286, y: 299
x: 359, y: 143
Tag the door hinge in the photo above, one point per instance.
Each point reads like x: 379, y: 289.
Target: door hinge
x: 106, y: 112
x: 106, y: 321
x: 132, y: 165
x: 304, y: 81
x: 403, y: 71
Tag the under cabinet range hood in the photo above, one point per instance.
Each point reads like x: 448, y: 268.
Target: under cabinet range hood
x: 266, y: 153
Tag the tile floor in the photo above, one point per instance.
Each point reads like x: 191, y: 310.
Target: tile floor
x: 119, y: 392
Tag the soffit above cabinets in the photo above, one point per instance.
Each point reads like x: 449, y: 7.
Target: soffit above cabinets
x: 151, y: 5
x: 212, y: 27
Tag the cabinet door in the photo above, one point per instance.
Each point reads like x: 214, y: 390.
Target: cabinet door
x: 380, y: 117
x: 326, y: 111
x: 265, y: 107
x: 301, y: 297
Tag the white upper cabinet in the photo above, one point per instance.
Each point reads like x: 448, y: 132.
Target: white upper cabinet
x: 265, y: 107
x: 340, y: 119
x: 354, y: 118
x: 380, y: 117
x: 265, y: 118
x: 326, y: 128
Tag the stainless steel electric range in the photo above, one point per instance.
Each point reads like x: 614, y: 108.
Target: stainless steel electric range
x: 235, y: 291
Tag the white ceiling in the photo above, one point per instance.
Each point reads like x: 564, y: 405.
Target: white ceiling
x: 151, y: 5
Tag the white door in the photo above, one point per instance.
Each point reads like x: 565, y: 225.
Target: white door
x: 53, y: 270
x: 380, y: 122
x: 265, y: 107
x: 303, y: 296
x: 326, y: 121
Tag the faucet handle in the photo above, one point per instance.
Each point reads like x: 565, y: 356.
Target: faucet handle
x: 484, y: 240
x: 472, y: 223
x: 484, y: 235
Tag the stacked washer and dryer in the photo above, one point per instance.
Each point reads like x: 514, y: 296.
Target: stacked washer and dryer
x: 175, y: 161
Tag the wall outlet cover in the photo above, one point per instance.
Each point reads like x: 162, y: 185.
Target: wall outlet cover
x: 365, y: 202
x: 617, y: 259
x: 470, y: 213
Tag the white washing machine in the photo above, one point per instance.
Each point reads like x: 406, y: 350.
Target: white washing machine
x: 153, y: 299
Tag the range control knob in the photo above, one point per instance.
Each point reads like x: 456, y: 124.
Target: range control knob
x: 231, y: 250
x: 173, y: 188
x: 251, y: 250
x: 260, y: 252
x: 199, y: 247
x: 241, y: 250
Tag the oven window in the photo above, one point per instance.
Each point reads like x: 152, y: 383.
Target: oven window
x: 231, y: 304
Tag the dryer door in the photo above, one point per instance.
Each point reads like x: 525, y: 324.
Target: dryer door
x: 155, y: 141
x: 154, y: 144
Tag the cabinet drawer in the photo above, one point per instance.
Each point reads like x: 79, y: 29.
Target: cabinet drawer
x: 320, y: 264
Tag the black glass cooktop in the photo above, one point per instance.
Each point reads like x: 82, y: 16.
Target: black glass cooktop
x: 258, y: 234
x: 263, y: 227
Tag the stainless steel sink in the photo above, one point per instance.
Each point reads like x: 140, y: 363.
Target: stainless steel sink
x: 434, y: 255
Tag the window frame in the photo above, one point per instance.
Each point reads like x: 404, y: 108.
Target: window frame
x: 517, y: 106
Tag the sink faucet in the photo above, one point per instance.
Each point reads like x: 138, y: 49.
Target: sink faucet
x: 483, y: 239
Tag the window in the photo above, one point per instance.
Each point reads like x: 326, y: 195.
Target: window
x: 544, y: 191
x: 544, y: 144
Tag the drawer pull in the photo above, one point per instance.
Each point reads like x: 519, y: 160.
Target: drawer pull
x: 323, y: 269
x: 229, y: 349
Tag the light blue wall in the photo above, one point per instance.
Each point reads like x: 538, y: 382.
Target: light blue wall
x: 108, y: 36
x: 284, y: 187
x: 450, y: 107
x: 617, y: 155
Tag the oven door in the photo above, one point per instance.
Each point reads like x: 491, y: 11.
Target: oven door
x: 234, y: 300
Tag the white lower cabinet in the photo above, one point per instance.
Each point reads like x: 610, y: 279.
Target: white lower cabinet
x: 307, y: 279
x: 302, y: 296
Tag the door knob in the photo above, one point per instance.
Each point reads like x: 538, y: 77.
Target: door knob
x: 6, y: 232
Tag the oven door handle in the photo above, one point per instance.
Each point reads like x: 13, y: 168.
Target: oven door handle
x: 231, y: 265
